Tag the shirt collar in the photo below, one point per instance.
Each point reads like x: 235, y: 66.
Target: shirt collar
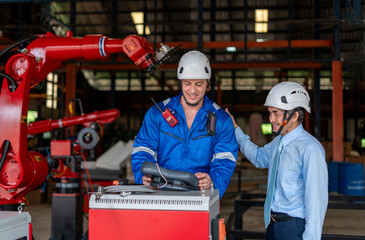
x: 290, y: 136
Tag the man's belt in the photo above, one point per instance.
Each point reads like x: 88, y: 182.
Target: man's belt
x: 280, y: 217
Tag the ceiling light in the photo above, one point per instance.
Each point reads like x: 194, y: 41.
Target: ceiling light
x: 261, y: 20
x: 261, y: 15
x: 261, y: 27
x: 231, y: 49
x: 138, y: 20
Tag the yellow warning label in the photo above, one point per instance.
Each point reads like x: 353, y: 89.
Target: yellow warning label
x: 24, y: 119
x: 38, y: 158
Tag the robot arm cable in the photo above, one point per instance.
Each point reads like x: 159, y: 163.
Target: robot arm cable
x: 5, y: 152
x: 15, y: 44
x: 11, y: 80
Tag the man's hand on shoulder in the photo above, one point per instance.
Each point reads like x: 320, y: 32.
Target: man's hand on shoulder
x: 234, y: 122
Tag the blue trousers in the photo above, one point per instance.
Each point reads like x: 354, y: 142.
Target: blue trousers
x: 291, y: 229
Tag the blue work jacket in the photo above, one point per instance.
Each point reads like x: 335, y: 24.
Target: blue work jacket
x: 194, y: 150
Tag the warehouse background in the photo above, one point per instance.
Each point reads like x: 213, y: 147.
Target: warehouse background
x: 302, y: 40
x: 252, y: 45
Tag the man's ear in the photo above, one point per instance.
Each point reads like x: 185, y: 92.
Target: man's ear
x: 295, y: 117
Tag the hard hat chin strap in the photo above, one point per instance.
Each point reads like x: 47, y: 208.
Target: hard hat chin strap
x: 284, y: 122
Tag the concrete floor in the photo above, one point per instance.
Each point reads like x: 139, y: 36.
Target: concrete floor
x: 339, y: 222
x: 41, y: 220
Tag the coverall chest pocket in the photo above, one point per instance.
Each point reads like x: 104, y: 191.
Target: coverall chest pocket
x: 169, y: 144
x: 202, y: 147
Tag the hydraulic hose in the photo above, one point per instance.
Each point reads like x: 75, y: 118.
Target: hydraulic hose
x: 12, y: 85
x: 5, y: 152
x: 15, y: 44
x: 7, y: 49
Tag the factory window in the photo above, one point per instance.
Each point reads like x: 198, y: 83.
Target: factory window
x: 138, y: 20
x: 32, y: 116
x: 58, y: 21
x: 51, y: 92
x: 261, y: 20
x: 266, y: 128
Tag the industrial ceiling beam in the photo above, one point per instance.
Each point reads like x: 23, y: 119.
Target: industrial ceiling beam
x: 216, y: 66
x: 261, y: 108
x: 205, y: 9
x: 271, y: 44
x: 272, y: 22
x: 254, y: 44
x: 250, y: 44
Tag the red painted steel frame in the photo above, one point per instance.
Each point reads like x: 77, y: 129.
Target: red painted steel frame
x: 337, y: 111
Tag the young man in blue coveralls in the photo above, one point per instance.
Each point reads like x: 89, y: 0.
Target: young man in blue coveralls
x: 188, y: 146
x: 297, y: 192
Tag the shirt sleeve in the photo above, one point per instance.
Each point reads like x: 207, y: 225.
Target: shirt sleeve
x: 260, y: 157
x: 146, y: 144
x: 315, y: 177
x: 224, y: 156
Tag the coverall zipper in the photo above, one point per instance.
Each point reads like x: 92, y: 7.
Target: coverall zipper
x: 172, y: 135
x: 201, y: 137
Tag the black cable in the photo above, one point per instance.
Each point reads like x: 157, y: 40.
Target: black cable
x: 12, y: 86
x: 4, y: 154
x: 15, y: 44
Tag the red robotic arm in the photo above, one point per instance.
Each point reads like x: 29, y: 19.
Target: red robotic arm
x: 22, y: 171
x: 47, y: 52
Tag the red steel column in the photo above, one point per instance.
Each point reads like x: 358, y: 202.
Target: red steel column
x: 337, y: 111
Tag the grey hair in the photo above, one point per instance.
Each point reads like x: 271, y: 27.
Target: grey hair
x: 301, y: 112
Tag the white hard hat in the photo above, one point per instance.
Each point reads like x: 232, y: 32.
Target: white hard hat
x: 287, y: 96
x: 193, y: 65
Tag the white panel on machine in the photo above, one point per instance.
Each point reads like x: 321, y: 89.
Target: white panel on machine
x: 114, y: 157
x: 159, y: 200
x: 14, y: 225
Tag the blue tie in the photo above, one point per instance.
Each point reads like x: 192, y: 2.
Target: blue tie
x: 270, y: 188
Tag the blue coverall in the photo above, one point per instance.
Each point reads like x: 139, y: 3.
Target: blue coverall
x: 178, y: 148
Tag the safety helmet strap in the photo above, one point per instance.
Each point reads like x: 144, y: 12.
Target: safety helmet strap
x: 284, y: 122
